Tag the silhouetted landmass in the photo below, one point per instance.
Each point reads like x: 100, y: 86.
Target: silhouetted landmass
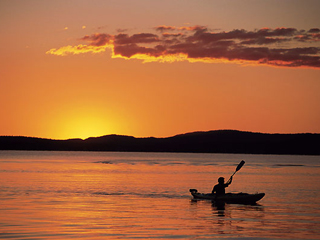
x: 221, y: 141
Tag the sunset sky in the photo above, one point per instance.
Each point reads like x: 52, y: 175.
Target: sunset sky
x: 84, y: 68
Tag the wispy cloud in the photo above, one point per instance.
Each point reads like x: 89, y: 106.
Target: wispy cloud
x: 282, y: 47
x: 63, y: 51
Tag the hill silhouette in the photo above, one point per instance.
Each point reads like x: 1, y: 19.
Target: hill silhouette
x: 220, y: 141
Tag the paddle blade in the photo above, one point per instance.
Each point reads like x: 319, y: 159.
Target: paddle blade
x: 240, y: 165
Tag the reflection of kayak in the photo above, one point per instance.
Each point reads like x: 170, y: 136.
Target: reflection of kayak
x: 244, y: 198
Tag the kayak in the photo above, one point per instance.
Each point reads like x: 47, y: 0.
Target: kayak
x: 244, y: 198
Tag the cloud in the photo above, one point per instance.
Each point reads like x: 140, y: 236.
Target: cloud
x: 63, y: 51
x: 165, y: 28
x: 314, y: 30
x: 98, y: 39
x: 122, y: 39
x: 280, y: 47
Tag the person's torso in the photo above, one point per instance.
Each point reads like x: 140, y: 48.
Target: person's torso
x: 220, y: 189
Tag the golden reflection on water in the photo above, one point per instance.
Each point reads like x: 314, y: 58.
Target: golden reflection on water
x: 94, y: 200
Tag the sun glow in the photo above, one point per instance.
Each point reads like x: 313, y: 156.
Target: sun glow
x: 85, y: 126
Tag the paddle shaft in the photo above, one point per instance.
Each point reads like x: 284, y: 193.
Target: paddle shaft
x: 237, y: 169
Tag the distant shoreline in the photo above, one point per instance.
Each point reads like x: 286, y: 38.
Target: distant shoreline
x: 219, y: 141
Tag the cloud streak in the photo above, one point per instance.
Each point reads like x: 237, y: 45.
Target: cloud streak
x: 280, y: 47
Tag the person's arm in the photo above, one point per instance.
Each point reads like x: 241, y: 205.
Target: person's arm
x: 229, y: 182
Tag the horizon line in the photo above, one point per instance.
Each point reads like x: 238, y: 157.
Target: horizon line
x: 124, y: 135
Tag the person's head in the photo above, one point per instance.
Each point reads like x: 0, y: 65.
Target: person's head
x: 221, y: 180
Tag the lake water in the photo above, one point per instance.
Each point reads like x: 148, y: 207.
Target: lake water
x: 108, y: 195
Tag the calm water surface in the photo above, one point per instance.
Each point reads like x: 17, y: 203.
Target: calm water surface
x: 107, y: 195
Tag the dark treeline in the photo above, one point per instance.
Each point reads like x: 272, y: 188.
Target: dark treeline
x: 221, y: 141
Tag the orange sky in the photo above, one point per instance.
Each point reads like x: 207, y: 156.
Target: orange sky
x: 158, y: 68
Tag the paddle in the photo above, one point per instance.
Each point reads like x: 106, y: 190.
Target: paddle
x: 238, y: 168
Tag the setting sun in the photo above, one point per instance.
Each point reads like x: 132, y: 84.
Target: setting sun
x: 85, y: 127
x: 83, y: 122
